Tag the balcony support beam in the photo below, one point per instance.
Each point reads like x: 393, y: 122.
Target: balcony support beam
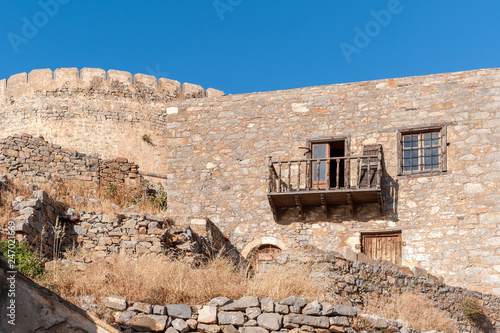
x: 350, y: 202
x: 299, y: 206
x: 324, y: 205
x: 273, y: 207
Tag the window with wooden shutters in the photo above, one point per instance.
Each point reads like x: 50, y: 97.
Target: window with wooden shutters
x: 422, y: 150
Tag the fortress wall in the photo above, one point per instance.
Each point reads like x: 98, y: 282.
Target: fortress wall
x: 94, y: 111
x: 214, y: 149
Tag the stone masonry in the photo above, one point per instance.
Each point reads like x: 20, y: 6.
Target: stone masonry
x: 35, y: 159
x: 211, y: 151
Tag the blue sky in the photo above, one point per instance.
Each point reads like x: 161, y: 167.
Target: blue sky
x: 244, y: 46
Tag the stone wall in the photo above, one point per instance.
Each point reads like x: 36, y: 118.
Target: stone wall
x: 355, y: 279
x: 33, y: 158
x: 212, y: 152
x: 51, y: 228
x: 245, y: 315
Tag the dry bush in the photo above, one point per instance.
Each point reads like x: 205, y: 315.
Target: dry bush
x: 414, y: 310
x: 282, y: 282
x: 159, y: 280
x: 7, y: 195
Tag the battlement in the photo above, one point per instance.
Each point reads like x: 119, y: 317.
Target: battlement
x: 72, y: 78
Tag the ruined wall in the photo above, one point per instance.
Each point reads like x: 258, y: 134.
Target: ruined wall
x: 213, y: 152
x: 35, y: 159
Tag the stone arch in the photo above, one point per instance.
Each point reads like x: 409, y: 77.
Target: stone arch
x: 262, y: 241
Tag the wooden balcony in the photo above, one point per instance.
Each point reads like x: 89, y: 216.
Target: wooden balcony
x: 346, y: 180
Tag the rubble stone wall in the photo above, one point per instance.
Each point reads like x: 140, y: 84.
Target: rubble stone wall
x: 212, y: 151
x: 24, y: 156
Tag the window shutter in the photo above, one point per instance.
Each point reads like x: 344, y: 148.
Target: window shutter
x: 444, y: 144
x: 399, y: 154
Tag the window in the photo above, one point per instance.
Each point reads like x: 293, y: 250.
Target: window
x: 422, y: 150
x: 324, y: 150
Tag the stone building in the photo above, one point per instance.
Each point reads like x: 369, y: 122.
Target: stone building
x: 402, y: 169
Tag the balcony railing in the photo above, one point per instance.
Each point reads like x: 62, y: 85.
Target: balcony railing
x: 326, y: 181
x: 335, y: 173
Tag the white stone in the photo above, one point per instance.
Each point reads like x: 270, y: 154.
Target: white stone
x: 207, y: 314
x: 300, y: 107
x: 473, y: 188
x: 172, y: 110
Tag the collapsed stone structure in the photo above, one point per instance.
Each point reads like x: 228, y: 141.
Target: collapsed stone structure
x: 51, y: 228
x: 403, y: 169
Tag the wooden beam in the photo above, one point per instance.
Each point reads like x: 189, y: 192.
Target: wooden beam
x: 324, y: 204
x: 381, y: 202
x: 273, y: 208
x: 299, y: 206
x: 351, y: 205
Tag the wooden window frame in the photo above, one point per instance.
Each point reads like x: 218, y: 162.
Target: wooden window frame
x: 327, y: 139
x: 443, y: 143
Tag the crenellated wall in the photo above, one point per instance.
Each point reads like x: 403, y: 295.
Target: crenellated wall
x: 213, y: 152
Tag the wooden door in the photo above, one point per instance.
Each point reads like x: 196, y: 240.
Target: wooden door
x: 383, y: 246
x: 320, y: 150
x: 265, y: 254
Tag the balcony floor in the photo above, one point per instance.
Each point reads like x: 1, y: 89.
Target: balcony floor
x: 324, y: 198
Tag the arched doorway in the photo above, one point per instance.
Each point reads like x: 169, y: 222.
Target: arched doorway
x: 263, y: 257
x: 261, y: 253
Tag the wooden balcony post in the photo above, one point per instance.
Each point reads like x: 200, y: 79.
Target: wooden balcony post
x: 358, y: 180
x: 271, y: 174
x: 298, y: 178
x: 328, y: 174
x: 379, y: 169
x: 279, y: 178
x: 317, y: 174
x: 337, y: 176
x: 289, y: 176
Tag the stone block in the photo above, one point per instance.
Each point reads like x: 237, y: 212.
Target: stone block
x: 228, y: 329
x: 213, y: 93
x: 142, y: 307
x: 17, y: 80
x: 145, y: 322
x: 159, y: 310
x: 170, y: 87
x: 313, y: 308
x: 40, y: 77
x: 204, y: 328
x: 146, y: 80
x: 295, y: 301
x: 219, y: 301
x: 120, y: 76
x: 208, y: 314
x: 281, y: 308
x: 190, y: 90
x: 270, y: 321
x: 92, y: 75
x: 181, y: 311
x: 242, y: 304
x: 301, y: 319
x: 180, y: 325
x: 66, y: 74
x: 253, y: 330
x: 115, y: 302
x: 267, y: 305
x: 345, y: 310
x: 231, y: 318
x: 253, y: 313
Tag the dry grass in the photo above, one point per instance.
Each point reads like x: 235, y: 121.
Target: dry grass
x: 282, y: 282
x: 7, y: 195
x: 414, y: 310
x: 113, y: 200
x: 159, y: 280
